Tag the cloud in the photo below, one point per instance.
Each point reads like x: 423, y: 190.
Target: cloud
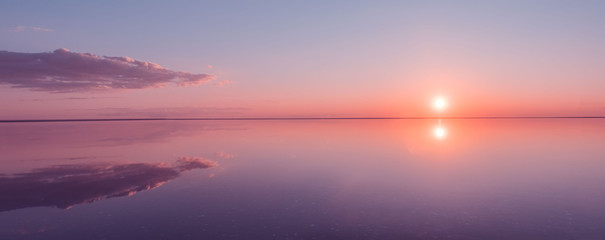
x: 65, y: 71
x: 61, y: 99
x: 18, y: 29
x: 39, y: 29
x: 169, y: 112
x: 222, y: 83
x: 26, y: 28
x: 63, y: 186
x: 224, y: 155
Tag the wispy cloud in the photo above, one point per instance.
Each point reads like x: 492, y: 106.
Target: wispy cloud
x: 222, y: 83
x: 65, y: 71
x: 66, y: 98
x: 168, y: 112
x: 224, y: 155
x: 28, y: 28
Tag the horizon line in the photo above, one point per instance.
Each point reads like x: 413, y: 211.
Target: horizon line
x: 279, y: 118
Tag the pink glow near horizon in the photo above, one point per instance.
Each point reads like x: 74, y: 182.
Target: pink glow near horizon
x: 360, y: 60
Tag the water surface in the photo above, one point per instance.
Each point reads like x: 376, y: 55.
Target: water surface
x: 304, y: 179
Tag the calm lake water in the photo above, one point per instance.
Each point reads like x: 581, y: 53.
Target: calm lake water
x: 304, y: 179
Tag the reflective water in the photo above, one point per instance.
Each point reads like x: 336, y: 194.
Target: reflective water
x: 304, y: 179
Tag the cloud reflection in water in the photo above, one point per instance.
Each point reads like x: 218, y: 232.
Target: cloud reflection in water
x: 63, y: 186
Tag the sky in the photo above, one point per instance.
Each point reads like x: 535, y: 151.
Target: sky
x: 116, y: 59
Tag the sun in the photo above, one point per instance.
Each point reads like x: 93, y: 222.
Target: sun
x: 440, y: 103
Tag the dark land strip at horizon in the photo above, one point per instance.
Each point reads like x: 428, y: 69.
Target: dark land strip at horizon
x: 287, y: 118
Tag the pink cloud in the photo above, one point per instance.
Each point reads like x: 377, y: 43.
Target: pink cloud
x: 18, y: 29
x: 26, y: 28
x: 222, y: 83
x: 224, y: 155
x: 65, y: 71
x: 39, y: 29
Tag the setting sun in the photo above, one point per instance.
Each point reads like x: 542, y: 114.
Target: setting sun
x: 439, y: 103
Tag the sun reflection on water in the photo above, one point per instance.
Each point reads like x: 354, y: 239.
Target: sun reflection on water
x: 440, y: 131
